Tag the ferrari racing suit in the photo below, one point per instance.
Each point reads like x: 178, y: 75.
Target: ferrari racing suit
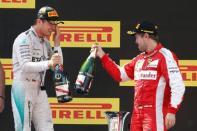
x: 159, y: 87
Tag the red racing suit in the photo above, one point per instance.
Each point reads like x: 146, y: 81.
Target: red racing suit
x: 159, y: 87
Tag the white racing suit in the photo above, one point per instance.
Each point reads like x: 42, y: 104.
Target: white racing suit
x: 31, y: 55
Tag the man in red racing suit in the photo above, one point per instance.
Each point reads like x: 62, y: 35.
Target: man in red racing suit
x: 159, y: 87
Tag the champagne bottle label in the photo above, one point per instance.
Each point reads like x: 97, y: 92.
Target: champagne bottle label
x: 80, y: 79
x: 62, y: 90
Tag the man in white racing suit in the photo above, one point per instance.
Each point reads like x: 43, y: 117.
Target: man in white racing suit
x: 32, y: 56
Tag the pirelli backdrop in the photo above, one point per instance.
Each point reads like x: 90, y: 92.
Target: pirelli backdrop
x: 104, y: 22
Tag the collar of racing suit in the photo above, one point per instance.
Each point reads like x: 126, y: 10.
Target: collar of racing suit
x: 35, y: 34
x: 151, y: 53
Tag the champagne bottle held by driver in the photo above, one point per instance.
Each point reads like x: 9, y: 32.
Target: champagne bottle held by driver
x: 86, y: 74
x: 61, y: 84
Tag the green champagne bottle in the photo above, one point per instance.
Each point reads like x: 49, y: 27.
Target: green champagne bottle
x: 86, y: 74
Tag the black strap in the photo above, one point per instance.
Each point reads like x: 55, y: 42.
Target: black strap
x: 43, y: 87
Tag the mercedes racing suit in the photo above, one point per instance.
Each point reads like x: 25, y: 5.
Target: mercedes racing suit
x: 159, y: 87
x: 30, y: 56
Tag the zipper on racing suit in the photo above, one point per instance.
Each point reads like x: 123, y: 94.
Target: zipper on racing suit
x: 29, y: 107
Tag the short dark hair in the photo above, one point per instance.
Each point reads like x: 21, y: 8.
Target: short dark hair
x: 155, y: 38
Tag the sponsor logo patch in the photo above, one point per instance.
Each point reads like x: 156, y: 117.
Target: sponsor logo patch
x: 83, y: 110
x: 139, y: 64
x: 17, y: 4
x: 85, y: 33
x: 153, y: 63
x: 145, y: 75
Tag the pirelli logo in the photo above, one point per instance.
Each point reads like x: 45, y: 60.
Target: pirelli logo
x: 86, y: 33
x: 17, y: 3
x: 83, y: 110
x: 52, y: 14
x: 188, y: 70
x: 7, y: 66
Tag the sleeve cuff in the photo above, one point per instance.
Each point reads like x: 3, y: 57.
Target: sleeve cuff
x: 105, y: 58
x: 172, y: 110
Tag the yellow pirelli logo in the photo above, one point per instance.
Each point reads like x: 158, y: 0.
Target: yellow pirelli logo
x: 83, y: 110
x: 17, y: 3
x: 7, y: 66
x: 86, y: 33
x: 188, y: 70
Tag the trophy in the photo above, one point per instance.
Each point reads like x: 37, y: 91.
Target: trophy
x: 116, y: 120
